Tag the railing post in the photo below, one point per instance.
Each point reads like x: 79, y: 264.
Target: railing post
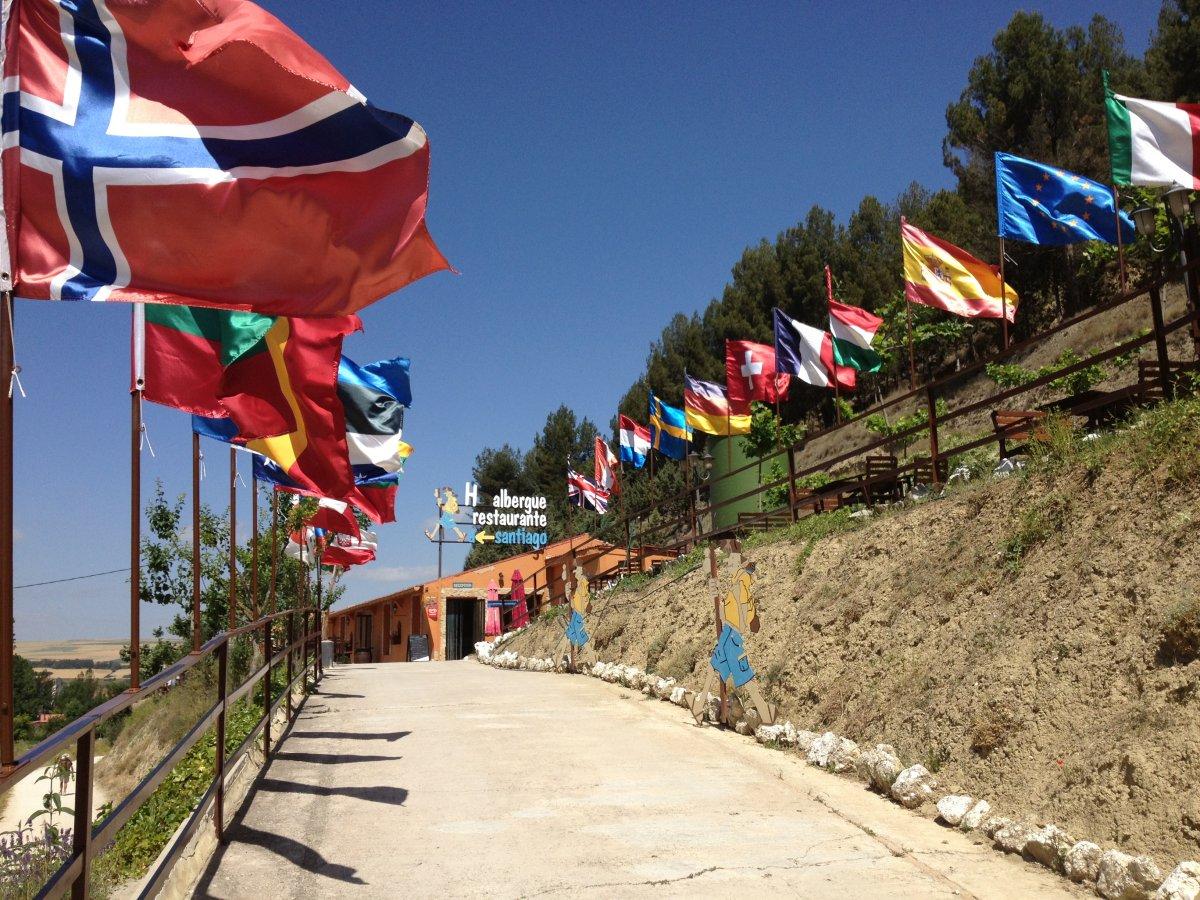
x: 1160, y: 344
x: 81, y: 837
x: 933, y: 433
x: 219, y: 764
x: 291, y: 656
x: 791, y: 467
x: 267, y: 652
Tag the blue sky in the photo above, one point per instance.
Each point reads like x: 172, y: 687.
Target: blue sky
x: 595, y: 168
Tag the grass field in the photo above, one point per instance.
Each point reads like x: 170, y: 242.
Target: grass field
x: 96, y: 650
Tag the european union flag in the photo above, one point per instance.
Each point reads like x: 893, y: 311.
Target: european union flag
x: 1043, y: 204
x: 669, y: 431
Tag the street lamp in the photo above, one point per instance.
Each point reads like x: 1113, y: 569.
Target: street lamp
x: 1177, y: 202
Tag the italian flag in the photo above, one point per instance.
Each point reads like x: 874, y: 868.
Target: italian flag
x: 853, y: 329
x: 1153, y: 144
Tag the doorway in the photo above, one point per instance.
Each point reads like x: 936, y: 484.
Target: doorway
x: 363, y: 627
x: 463, y: 626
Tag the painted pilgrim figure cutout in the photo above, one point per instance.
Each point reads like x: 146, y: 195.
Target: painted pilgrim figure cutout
x: 447, y: 504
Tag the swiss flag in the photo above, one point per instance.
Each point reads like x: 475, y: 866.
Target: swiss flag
x: 750, y: 374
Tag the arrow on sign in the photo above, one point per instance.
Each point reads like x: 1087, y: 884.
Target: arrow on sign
x: 482, y: 537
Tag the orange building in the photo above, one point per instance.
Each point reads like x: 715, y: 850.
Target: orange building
x: 446, y: 616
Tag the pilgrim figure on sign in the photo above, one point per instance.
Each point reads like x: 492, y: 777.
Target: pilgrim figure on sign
x: 447, y: 504
x: 730, y: 663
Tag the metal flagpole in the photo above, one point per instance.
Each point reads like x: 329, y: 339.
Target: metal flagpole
x: 7, y: 367
x: 196, y: 635
x: 135, y: 496
x: 271, y: 603
x: 912, y: 357
x: 254, y: 604
x: 1120, y: 240
x: 1003, y: 300
x: 232, y: 538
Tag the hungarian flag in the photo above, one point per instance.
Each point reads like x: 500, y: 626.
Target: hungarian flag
x: 1151, y: 143
x: 853, y: 329
x: 807, y: 353
x: 750, y: 374
x: 334, y: 516
x: 606, y: 467
x: 201, y: 154
x: 635, y: 441
x: 936, y: 273
x: 708, y: 409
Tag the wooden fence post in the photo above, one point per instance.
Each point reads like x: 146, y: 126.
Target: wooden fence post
x: 291, y: 655
x: 267, y: 651
x: 933, y: 433
x: 81, y: 836
x: 1160, y: 344
x: 791, y: 467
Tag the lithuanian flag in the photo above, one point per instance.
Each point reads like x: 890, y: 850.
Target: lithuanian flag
x: 936, y: 273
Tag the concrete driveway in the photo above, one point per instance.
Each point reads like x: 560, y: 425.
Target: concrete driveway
x: 454, y: 779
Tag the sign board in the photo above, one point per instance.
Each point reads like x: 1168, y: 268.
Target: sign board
x: 418, y: 648
x: 431, y: 610
x: 513, y: 519
x: 464, y: 585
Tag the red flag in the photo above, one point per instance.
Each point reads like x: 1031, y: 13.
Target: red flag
x: 606, y: 467
x: 304, y: 355
x: 201, y: 153
x: 334, y: 516
x: 750, y: 374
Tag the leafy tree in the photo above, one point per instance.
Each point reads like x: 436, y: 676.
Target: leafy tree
x: 33, y: 690
x: 1173, y: 57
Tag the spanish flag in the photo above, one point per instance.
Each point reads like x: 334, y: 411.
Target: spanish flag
x: 708, y: 409
x: 936, y: 273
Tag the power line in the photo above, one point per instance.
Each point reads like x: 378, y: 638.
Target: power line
x: 17, y: 587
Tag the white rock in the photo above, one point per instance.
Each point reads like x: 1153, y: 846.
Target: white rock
x: 1082, y: 862
x: 677, y: 693
x: 832, y: 752
x: 1049, y: 845
x: 712, y: 708
x: 1013, y: 837
x: 804, y: 739
x: 1125, y: 877
x: 768, y: 734
x: 994, y: 824
x: 1182, y: 884
x: 913, y: 786
x: 743, y: 727
x: 483, y: 650
x: 879, y: 768
x: 664, y: 687
x: 953, y: 807
x: 974, y: 818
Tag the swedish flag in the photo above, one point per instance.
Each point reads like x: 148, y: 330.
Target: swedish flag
x: 1043, y: 204
x: 669, y: 431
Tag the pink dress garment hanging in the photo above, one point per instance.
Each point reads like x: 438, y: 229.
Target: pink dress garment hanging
x: 491, y: 619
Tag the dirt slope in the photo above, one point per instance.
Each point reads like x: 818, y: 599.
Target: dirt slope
x: 1029, y: 638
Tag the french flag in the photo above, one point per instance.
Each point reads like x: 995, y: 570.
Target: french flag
x: 635, y: 442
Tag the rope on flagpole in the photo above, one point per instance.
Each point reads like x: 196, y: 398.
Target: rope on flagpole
x: 144, y: 440
x: 14, y: 377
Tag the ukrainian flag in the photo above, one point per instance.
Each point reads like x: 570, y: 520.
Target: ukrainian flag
x: 669, y: 431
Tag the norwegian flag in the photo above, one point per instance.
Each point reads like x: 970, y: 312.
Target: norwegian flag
x: 582, y: 493
x: 200, y: 153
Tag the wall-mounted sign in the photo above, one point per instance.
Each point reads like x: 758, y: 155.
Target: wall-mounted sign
x: 508, y: 518
x: 460, y: 585
x: 431, y: 610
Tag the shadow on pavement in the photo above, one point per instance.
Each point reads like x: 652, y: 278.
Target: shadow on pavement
x: 375, y: 793
x: 339, y: 696
x: 325, y: 759
x: 352, y: 735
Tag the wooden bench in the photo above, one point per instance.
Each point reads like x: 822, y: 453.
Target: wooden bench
x: 881, y: 479
x: 922, y: 472
x: 1018, y: 425
x: 764, y: 521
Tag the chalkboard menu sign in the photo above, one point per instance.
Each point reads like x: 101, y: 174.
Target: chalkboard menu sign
x: 418, y: 648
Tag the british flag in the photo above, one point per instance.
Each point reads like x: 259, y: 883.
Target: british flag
x: 583, y: 493
x: 199, y: 152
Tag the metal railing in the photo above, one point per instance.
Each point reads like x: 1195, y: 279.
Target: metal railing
x: 301, y: 647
